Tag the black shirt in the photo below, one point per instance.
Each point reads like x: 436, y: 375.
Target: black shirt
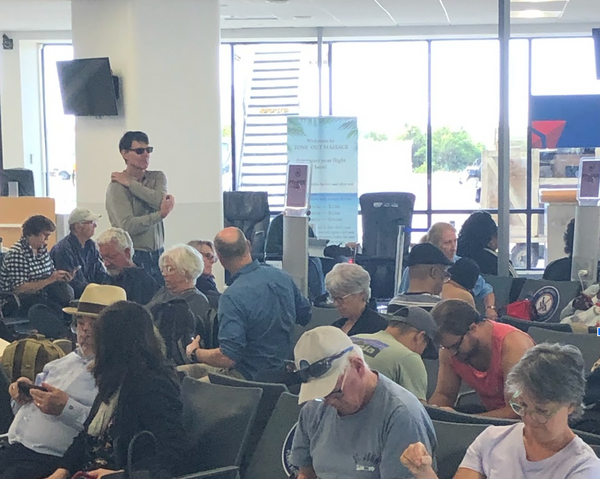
x: 559, y: 270
x: 137, y: 283
x: 369, y: 322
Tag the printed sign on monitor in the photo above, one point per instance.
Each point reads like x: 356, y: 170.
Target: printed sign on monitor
x: 588, y: 191
x: 297, y: 197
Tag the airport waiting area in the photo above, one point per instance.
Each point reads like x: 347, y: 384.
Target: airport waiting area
x: 263, y: 240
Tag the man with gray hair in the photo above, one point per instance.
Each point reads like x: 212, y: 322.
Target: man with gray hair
x: 443, y: 236
x: 356, y: 422
x: 257, y: 313
x: 116, y: 250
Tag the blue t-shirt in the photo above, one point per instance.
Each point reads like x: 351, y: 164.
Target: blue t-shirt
x: 257, y: 315
x: 364, y: 445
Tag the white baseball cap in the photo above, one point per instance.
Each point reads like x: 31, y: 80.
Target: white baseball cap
x: 82, y: 214
x: 321, y: 356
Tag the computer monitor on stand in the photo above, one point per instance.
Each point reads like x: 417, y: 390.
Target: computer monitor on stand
x: 22, y: 177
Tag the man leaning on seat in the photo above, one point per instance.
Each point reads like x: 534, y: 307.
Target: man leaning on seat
x: 257, y: 313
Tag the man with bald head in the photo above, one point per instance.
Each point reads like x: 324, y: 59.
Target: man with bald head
x: 443, y: 236
x: 257, y: 313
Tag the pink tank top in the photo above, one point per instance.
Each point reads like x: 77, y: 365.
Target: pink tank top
x: 488, y: 384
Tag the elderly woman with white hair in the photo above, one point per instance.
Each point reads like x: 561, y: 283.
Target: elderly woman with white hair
x: 349, y: 287
x: 180, y: 266
x: 546, y: 388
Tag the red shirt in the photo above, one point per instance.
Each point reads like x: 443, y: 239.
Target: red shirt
x: 488, y: 384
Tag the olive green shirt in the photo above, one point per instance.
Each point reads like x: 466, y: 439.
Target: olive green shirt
x: 394, y: 360
x: 136, y: 209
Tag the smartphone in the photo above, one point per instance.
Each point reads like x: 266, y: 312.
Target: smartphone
x: 24, y: 388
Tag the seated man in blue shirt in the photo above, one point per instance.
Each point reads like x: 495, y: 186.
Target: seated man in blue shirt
x: 257, y: 313
x: 78, y: 252
x: 443, y: 236
x: 46, y: 422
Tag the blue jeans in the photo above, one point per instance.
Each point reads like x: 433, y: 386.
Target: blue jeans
x: 149, y: 261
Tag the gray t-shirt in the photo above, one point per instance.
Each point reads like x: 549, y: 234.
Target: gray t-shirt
x: 499, y: 453
x: 365, y: 445
x: 385, y: 354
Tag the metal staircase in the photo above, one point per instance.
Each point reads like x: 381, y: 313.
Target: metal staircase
x: 272, y: 96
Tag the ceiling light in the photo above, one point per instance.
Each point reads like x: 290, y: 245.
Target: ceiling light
x: 302, y: 17
x: 531, y: 14
x: 277, y: 1
x: 539, y: 1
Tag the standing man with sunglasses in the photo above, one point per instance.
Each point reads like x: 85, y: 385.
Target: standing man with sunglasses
x: 356, y: 422
x: 137, y: 201
x: 479, y: 352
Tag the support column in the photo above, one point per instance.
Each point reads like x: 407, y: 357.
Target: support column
x: 504, y: 141
x: 166, y: 54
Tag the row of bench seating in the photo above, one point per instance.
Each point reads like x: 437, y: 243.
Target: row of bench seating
x: 262, y: 446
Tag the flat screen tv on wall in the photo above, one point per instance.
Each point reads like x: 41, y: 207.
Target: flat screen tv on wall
x: 88, y: 87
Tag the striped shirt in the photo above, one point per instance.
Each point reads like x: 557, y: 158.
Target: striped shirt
x: 22, y: 266
x: 424, y: 300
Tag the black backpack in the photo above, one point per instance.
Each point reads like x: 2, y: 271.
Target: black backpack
x: 178, y: 326
x: 590, y: 421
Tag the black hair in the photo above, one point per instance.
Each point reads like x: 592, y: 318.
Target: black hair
x: 131, y: 136
x: 35, y: 225
x: 454, y: 316
x: 476, y: 233
x: 126, y: 345
x: 465, y: 272
x: 569, y: 237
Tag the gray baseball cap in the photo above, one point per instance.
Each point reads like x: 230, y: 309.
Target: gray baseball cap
x: 421, y: 320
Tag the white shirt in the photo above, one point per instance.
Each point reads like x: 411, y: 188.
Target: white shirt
x: 47, y: 434
x: 499, y: 453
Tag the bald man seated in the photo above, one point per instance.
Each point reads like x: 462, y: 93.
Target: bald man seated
x: 257, y: 314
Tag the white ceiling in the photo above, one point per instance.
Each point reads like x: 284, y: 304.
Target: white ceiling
x: 51, y: 15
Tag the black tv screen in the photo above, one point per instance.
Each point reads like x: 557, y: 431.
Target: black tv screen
x: 596, y: 35
x: 87, y: 87
x: 23, y: 177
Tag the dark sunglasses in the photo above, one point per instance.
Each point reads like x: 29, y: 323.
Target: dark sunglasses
x: 140, y: 151
x: 320, y: 368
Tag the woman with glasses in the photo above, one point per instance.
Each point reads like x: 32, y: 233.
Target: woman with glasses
x: 206, y: 281
x: 546, y: 389
x: 348, y: 286
x: 180, y: 267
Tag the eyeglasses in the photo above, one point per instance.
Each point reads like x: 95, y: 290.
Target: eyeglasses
x: 141, y: 151
x: 447, y: 275
x: 210, y: 257
x: 168, y: 269
x: 320, y: 368
x: 341, y: 299
x: 541, y: 417
x: 456, y: 346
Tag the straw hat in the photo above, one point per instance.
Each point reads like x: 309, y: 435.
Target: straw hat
x: 95, y: 298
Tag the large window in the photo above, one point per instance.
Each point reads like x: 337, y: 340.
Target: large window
x: 384, y: 84
x: 59, y: 133
x: 428, y: 114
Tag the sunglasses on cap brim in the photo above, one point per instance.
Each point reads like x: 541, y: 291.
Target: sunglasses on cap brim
x: 307, y: 371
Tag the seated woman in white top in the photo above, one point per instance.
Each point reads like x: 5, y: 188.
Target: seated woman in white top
x: 547, y: 388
